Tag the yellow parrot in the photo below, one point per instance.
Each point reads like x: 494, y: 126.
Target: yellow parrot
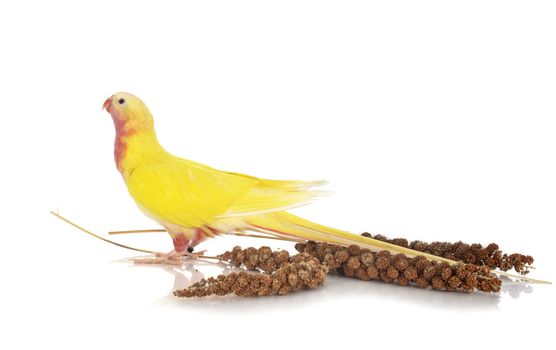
x: 193, y: 201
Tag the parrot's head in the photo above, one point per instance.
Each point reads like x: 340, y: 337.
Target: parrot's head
x: 129, y: 113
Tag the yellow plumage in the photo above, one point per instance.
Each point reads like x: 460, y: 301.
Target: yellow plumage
x: 194, y: 201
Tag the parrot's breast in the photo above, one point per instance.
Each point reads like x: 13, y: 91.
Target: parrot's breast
x: 133, y: 149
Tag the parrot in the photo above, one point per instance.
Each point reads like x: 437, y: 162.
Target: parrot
x: 194, y: 202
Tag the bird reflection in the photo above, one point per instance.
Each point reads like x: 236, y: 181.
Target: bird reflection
x: 190, y: 271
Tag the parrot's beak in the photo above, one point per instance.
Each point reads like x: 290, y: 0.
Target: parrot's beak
x: 108, y: 104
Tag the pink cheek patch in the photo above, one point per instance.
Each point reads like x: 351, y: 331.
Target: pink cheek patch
x: 120, y: 143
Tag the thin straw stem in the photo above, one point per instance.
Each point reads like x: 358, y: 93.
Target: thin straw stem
x: 136, y: 231
x: 522, y: 278
x: 100, y: 237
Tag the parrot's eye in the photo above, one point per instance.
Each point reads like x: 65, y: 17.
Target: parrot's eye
x: 121, y: 101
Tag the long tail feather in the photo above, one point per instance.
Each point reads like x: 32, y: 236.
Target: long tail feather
x: 284, y: 224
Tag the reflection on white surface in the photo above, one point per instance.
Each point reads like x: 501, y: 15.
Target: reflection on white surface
x: 335, y: 289
x: 515, y: 289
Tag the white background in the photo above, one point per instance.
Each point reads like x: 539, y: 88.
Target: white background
x: 432, y: 120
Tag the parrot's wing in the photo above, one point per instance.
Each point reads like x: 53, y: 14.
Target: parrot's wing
x: 191, y: 194
x: 185, y: 193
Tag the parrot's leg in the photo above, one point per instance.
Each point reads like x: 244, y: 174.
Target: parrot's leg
x: 181, y: 242
x: 183, y: 254
x: 183, y: 249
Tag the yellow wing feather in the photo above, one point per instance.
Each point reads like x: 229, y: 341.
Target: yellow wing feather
x: 288, y: 185
x: 190, y: 194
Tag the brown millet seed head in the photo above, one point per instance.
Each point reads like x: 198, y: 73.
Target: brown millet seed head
x: 438, y: 283
x: 341, y: 256
x: 402, y: 242
x: 249, y: 252
x: 264, y: 253
x: 349, y: 272
x: 392, y: 272
x: 227, y: 256
x: 421, y: 282
x: 367, y: 258
x: 237, y: 257
x: 446, y: 273
x: 384, y: 266
x: 411, y: 273
x: 429, y: 272
x: 331, y: 262
x: 401, y: 263
x: 421, y: 263
x: 305, y: 272
x: 372, y: 272
x: 399, y: 256
x: 300, y: 247
x: 384, y: 277
x: 475, y: 253
x: 282, y: 256
x: 461, y: 272
x: 354, y: 250
x: 284, y: 274
x: 382, y: 263
x: 292, y: 279
x: 353, y: 263
x: 362, y: 274
x: 454, y: 282
x: 311, y: 246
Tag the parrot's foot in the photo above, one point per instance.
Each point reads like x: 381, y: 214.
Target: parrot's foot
x: 171, y: 258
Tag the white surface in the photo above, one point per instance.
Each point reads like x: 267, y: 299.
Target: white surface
x: 431, y: 121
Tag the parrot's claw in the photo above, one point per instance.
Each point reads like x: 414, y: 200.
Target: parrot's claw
x: 171, y: 258
x: 186, y: 254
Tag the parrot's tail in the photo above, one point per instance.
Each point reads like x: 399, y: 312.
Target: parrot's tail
x: 283, y: 224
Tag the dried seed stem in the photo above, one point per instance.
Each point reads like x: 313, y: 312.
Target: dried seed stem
x: 136, y: 231
x: 521, y: 278
x: 100, y: 237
